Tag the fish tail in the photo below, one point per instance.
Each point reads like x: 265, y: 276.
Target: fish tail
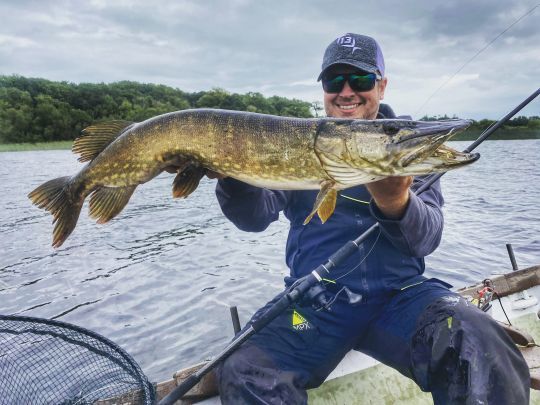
x: 56, y: 196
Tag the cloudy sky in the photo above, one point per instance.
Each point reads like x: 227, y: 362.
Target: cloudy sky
x: 275, y: 47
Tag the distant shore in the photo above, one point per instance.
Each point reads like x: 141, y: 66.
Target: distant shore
x: 500, y: 134
x: 18, y: 147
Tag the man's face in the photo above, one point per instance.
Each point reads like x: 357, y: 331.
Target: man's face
x: 353, y: 104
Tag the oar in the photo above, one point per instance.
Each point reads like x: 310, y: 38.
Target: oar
x: 296, y: 292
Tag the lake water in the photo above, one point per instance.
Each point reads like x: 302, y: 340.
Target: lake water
x: 158, y: 280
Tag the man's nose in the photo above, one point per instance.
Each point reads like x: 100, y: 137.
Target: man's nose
x: 346, y: 91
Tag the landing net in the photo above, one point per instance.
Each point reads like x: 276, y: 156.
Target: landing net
x: 50, y: 362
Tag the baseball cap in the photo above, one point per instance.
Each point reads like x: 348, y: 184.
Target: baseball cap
x: 360, y: 51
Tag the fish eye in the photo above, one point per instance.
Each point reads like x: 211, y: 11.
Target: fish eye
x: 390, y: 129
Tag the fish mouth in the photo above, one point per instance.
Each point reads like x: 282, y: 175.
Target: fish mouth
x: 445, y: 158
x: 425, y: 140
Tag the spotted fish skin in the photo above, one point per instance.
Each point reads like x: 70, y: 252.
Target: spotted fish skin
x: 263, y: 150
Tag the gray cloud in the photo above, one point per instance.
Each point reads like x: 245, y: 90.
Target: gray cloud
x: 276, y: 47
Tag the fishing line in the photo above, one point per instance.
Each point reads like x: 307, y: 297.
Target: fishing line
x: 500, y: 302
x: 363, y: 259
x: 475, y: 55
x: 367, y: 254
x: 344, y: 288
x: 354, y: 199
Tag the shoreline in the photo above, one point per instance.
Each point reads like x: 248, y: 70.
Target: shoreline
x: 21, y: 147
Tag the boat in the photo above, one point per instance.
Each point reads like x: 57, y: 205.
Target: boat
x: 359, y: 379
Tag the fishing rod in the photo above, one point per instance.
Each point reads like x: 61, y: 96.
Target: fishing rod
x: 434, y: 177
x: 311, y: 283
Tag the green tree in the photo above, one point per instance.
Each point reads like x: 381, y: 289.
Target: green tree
x: 15, y: 115
x: 33, y: 109
x: 215, y: 98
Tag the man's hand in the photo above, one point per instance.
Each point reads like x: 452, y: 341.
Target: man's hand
x: 391, y: 195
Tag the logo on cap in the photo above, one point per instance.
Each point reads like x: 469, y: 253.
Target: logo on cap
x: 347, y: 42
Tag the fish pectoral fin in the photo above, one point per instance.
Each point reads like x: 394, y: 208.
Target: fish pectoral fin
x: 108, y: 202
x: 326, y: 209
x: 325, y: 203
x: 95, y: 138
x: 187, y: 180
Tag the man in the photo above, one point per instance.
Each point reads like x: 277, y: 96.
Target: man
x: 402, y: 319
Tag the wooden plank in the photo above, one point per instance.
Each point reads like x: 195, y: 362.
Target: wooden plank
x: 205, y: 388
x: 509, y: 283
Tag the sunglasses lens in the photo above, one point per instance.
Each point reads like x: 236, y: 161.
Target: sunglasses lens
x: 333, y: 84
x: 362, y: 82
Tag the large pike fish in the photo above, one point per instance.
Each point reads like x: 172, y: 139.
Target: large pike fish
x: 279, y: 153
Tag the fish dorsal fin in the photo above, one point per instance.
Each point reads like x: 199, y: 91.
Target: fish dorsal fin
x: 95, y: 138
x: 325, y: 203
x: 187, y: 180
x: 107, y: 202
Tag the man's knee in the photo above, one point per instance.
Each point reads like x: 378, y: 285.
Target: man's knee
x: 461, y: 354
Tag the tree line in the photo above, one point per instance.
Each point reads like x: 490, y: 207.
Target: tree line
x: 521, y: 127
x: 40, y: 110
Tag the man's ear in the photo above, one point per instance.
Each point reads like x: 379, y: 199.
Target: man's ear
x: 382, y: 87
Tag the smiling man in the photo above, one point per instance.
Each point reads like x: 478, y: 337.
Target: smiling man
x: 353, y: 88
x: 383, y: 304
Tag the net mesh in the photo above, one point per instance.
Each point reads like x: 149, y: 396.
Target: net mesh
x: 50, y: 362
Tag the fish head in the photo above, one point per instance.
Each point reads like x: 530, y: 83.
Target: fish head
x: 397, y: 147
x: 360, y: 151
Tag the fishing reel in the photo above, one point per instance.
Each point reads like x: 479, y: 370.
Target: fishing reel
x: 485, y: 296
x: 320, y: 298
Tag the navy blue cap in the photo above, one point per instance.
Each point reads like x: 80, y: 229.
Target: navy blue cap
x: 356, y: 50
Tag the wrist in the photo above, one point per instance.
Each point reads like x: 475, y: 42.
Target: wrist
x: 395, y: 207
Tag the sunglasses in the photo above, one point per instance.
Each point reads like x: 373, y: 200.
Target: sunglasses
x: 334, y: 83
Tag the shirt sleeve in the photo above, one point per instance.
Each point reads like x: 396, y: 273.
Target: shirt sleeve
x: 418, y: 233
x: 250, y: 208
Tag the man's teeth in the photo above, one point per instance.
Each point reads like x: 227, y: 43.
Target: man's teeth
x: 348, y: 107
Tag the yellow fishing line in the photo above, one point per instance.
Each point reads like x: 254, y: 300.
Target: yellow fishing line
x: 354, y: 199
